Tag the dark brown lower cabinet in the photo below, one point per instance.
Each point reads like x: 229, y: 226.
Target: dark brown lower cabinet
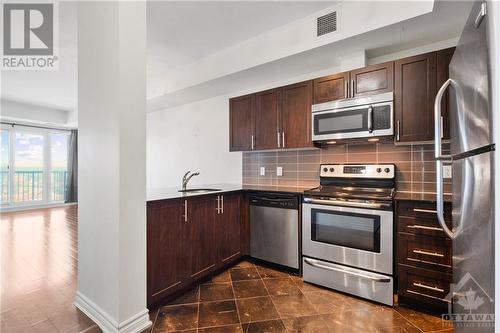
x: 228, y: 228
x: 187, y: 239
x: 423, y: 256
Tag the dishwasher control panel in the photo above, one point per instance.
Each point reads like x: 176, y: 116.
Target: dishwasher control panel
x: 277, y: 200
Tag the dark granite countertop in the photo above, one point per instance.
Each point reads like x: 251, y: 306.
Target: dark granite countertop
x: 156, y: 194
x: 416, y: 196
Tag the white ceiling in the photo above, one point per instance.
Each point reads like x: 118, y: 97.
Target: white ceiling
x: 180, y: 33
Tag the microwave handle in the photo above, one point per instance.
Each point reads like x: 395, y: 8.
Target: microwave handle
x: 370, y: 119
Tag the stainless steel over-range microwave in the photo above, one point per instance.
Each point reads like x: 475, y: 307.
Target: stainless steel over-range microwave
x: 362, y: 117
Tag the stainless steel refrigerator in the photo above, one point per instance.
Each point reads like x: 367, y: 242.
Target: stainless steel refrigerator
x: 471, y: 147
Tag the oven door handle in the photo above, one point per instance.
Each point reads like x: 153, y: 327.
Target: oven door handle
x: 314, y: 263
x: 332, y: 202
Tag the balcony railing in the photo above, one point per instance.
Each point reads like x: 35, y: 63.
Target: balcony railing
x: 29, y: 186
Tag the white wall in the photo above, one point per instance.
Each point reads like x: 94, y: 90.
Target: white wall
x: 29, y: 113
x: 191, y: 137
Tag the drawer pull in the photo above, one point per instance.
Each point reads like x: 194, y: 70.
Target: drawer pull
x: 427, y: 253
x: 424, y: 227
x: 429, y: 296
x: 420, y: 210
x: 428, y: 287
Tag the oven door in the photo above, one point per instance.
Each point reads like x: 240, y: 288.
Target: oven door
x: 353, y: 122
x: 357, y: 237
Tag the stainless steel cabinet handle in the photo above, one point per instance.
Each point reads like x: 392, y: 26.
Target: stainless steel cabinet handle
x: 424, y: 227
x: 398, y: 130
x: 222, y: 204
x: 185, y: 210
x: 346, y: 89
x: 253, y: 142
x: 323, y: 266
x: 218, y: 205
x: 278, y: 139
x: 352, y: 88
x: 420, y: 285
x: 420, y: 210
x: 427, y: 253
x: 283, y: 139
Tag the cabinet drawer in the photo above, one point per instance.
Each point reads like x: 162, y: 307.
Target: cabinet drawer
x: 421, y: 226
x: 424, y: 285
x: 425, y: 251
x: 422, y: 209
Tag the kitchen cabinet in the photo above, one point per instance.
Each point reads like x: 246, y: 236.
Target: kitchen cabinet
x: 166, y: 255
x: 241, y: 113
x: 199, y: 217
x: 414, y: 93
x: 295, y: 122
x: 331, y: 88
x: 423, y: 255
x: 228, y: 228
x: 443, y: 73
x: 268, y: 106
x: 374, y: 79
x: 189, y: 238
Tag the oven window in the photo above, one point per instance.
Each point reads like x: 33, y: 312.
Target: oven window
x: 341, y: 122
x: 357, y: 231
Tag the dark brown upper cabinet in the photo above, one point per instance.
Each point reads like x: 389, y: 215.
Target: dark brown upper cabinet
x: 443, y: 73
x: 296, y: 116
x: 268, y: 105
x: 331, y: 88
x: 414, y: 93
x: 374, y: 79
x: 241, y: 113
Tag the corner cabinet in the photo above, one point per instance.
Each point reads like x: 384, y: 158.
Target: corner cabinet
x: 188, y: 239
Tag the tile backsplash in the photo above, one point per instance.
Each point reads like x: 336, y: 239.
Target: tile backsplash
x: 415, y: 166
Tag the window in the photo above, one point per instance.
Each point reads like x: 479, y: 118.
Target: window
x: 33, y: 165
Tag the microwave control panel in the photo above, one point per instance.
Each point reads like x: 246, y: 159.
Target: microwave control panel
x: 381, y: 117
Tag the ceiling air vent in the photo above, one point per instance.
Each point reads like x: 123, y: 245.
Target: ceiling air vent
x: 326, y: 24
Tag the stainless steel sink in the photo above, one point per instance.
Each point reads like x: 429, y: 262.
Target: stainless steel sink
x: 200, y: 190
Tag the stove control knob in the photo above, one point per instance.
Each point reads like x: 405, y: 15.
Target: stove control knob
x: 332, y: 169
x: 325, y: 169
x: 379, y: 170
x: 387, y: 170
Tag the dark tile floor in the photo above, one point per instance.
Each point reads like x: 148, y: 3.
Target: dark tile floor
x: 254, y: 299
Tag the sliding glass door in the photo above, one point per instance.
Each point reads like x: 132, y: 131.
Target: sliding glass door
x: 33, y: 166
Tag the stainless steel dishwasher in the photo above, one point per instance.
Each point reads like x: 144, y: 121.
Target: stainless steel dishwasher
x: 274, y: 228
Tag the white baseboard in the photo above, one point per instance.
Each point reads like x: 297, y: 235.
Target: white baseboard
x: 8, y: 209
x: 135, y: 324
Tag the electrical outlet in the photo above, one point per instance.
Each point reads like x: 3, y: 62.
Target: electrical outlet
x: 279, y: 171
x: 262, y: 171
x: 446, y: 171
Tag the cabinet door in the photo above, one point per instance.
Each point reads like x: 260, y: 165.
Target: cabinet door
x: 166, y: 256
x: 415, y: 89
x: 443, y: 73
x: 375, y: 79
x: 241, y: 122
x: 227, y: 228
x: 296, y: 115
x: 331, y: 88
x: 200, y: 242
x: 268, y: 105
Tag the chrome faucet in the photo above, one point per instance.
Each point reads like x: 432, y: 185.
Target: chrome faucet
x: 186, y: 179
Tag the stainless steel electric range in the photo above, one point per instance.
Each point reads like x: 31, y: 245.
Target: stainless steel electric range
x: 347, y: 234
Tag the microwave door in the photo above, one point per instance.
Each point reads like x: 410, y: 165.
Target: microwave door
x: 341, y: 124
